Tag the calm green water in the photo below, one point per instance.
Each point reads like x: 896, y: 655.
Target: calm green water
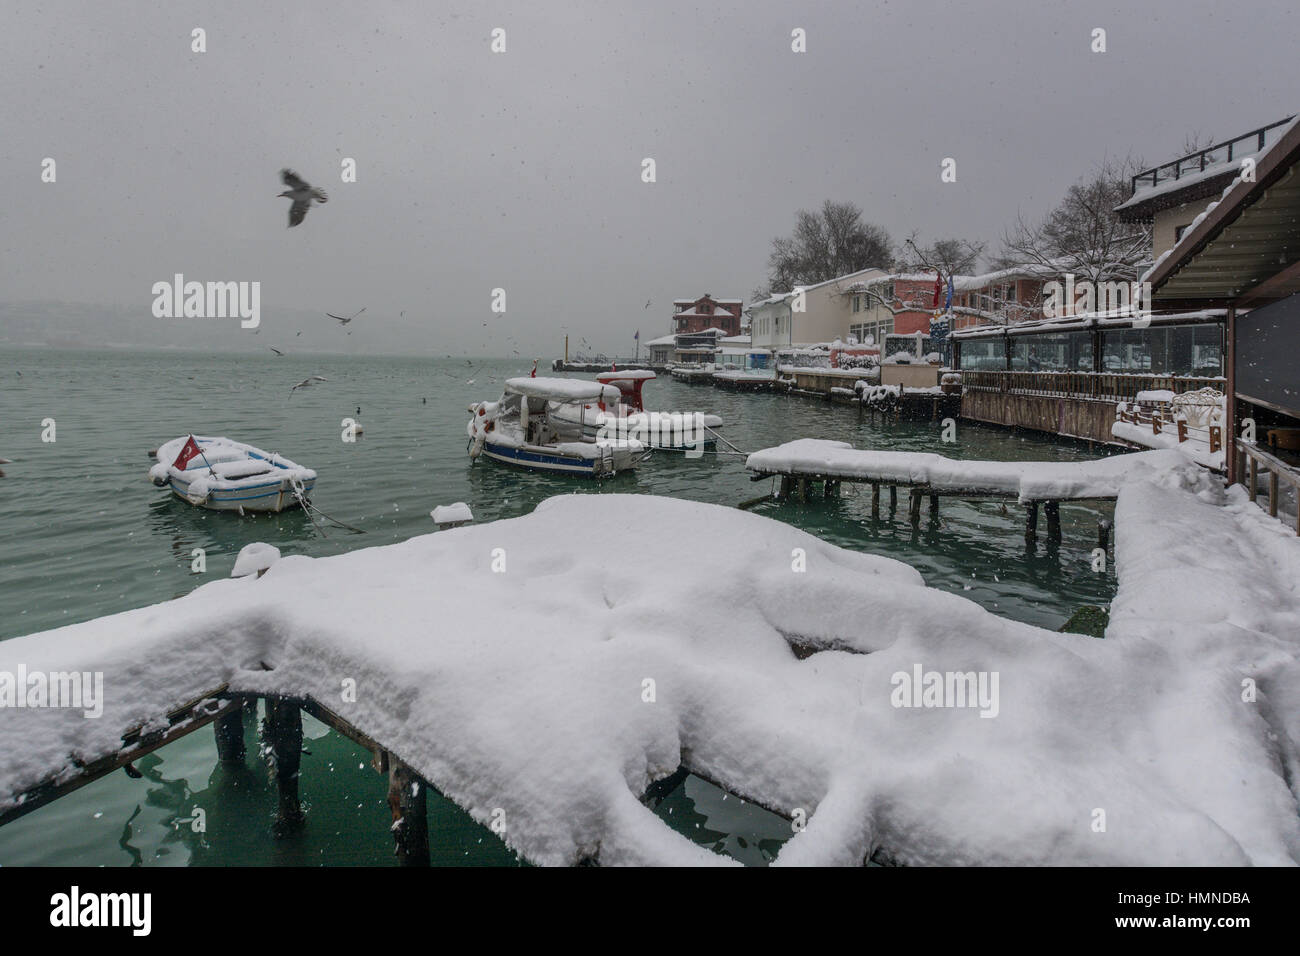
x: 85, y: 534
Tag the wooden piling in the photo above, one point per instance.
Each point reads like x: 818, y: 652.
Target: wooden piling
x: 914, y: 508
x: 230, y: 736
x: 283, y: 731
x: 408, y: 801
x: 875, y: 499
x: 893, y: 498
x: 1031, y: 520
x: 803, y: 489
x: 934, y: 506
x: 1054, y: 520
x: 784, y: 493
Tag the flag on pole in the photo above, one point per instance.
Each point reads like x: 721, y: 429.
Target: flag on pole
x: 938, y: 284
x: 533, y: 373
x: 188, y: 453
x: 947, y: 306
x: 637, y: 337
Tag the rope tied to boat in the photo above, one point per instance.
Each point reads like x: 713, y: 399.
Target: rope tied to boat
x: 299, y: 492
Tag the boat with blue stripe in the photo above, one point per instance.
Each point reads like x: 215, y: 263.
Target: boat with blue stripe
x: 523, y: 430
x: 226, y: 475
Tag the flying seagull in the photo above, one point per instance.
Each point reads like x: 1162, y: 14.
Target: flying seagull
x: 302, y: 193
x: 345, y: 321
x: 307, y: 383
x: 276, y: 351
x: 646, y: 306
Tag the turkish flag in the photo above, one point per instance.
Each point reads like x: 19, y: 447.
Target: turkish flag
x: 938, y: 284
x: 190, y: 451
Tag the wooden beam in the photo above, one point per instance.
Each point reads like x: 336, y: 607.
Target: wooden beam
x: 408, y: 801
x: 201, y: 712
x: 283, y: 731
x: 1273, y: 288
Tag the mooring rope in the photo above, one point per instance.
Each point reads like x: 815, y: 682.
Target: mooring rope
x: 312, y: 511
x: 725, y: 442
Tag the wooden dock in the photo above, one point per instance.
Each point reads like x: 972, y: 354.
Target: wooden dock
x: 810, y: 469
x: 282, y: 734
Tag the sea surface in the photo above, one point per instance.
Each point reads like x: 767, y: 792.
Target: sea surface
x: 83, y: 533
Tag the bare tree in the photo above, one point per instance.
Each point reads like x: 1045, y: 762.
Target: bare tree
x: 948, y: 256
x: 1082, y: 235
x: 832, y: 242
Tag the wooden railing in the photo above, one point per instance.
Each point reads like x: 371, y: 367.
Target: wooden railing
x: 1276, y: 470
x: 1103, y: 386
x: 1166, y: 421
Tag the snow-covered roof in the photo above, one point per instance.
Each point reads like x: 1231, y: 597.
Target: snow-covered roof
x: 1068, y: 323
x: 663, y: 340
x: 782, y: 296
x: 562, y: 389
x: 1147, y: 193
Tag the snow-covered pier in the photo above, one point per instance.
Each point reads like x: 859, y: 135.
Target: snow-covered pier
x: 544, y: 687
x: 807, y: 463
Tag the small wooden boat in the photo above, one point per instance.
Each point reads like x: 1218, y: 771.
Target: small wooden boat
x: 227, y: 475
x: 522, y: 429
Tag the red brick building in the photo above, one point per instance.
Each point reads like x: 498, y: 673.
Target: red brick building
x: 706, y: 312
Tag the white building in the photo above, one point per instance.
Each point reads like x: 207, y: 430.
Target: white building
x: 778, y: 321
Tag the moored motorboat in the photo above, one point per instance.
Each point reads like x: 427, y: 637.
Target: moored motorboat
x: 522, y: 429
x: 227, y: 475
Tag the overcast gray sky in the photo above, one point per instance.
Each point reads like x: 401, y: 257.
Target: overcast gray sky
x: 522, y: 170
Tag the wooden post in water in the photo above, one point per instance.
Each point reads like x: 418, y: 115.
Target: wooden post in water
x: 875, y: 499
x: 1053, y: 520
x: 1031, y: 521
x: 914, y: 508
x: 283, y: 731
x: 934, y: 506
x: 408, y: 801
x: 803, y: 489
x: 1103, y: 534
x: 230, y: 736
x: 783, y: 494
x: 893, y: 498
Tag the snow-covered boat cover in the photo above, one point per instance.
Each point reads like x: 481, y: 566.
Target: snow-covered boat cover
x: 554, y: 692
x: 233, y: 464
x: 563, y: 389
x: 1029, y: 480
x: 628, y: 375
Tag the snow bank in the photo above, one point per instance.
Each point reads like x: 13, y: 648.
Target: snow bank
x: 1028, y: 480
x: 510, y: 664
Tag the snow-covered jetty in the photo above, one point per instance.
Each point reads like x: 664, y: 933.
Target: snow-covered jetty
x: 543, y: 686
x: 805, y: 462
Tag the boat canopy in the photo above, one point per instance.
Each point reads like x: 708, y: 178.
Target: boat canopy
x: 631, y: 373
x: 562, y: 389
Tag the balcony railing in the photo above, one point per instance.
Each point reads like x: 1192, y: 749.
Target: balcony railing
x: 1101, y: 386
x: 1275, y: 472
x: 1201, y: 160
